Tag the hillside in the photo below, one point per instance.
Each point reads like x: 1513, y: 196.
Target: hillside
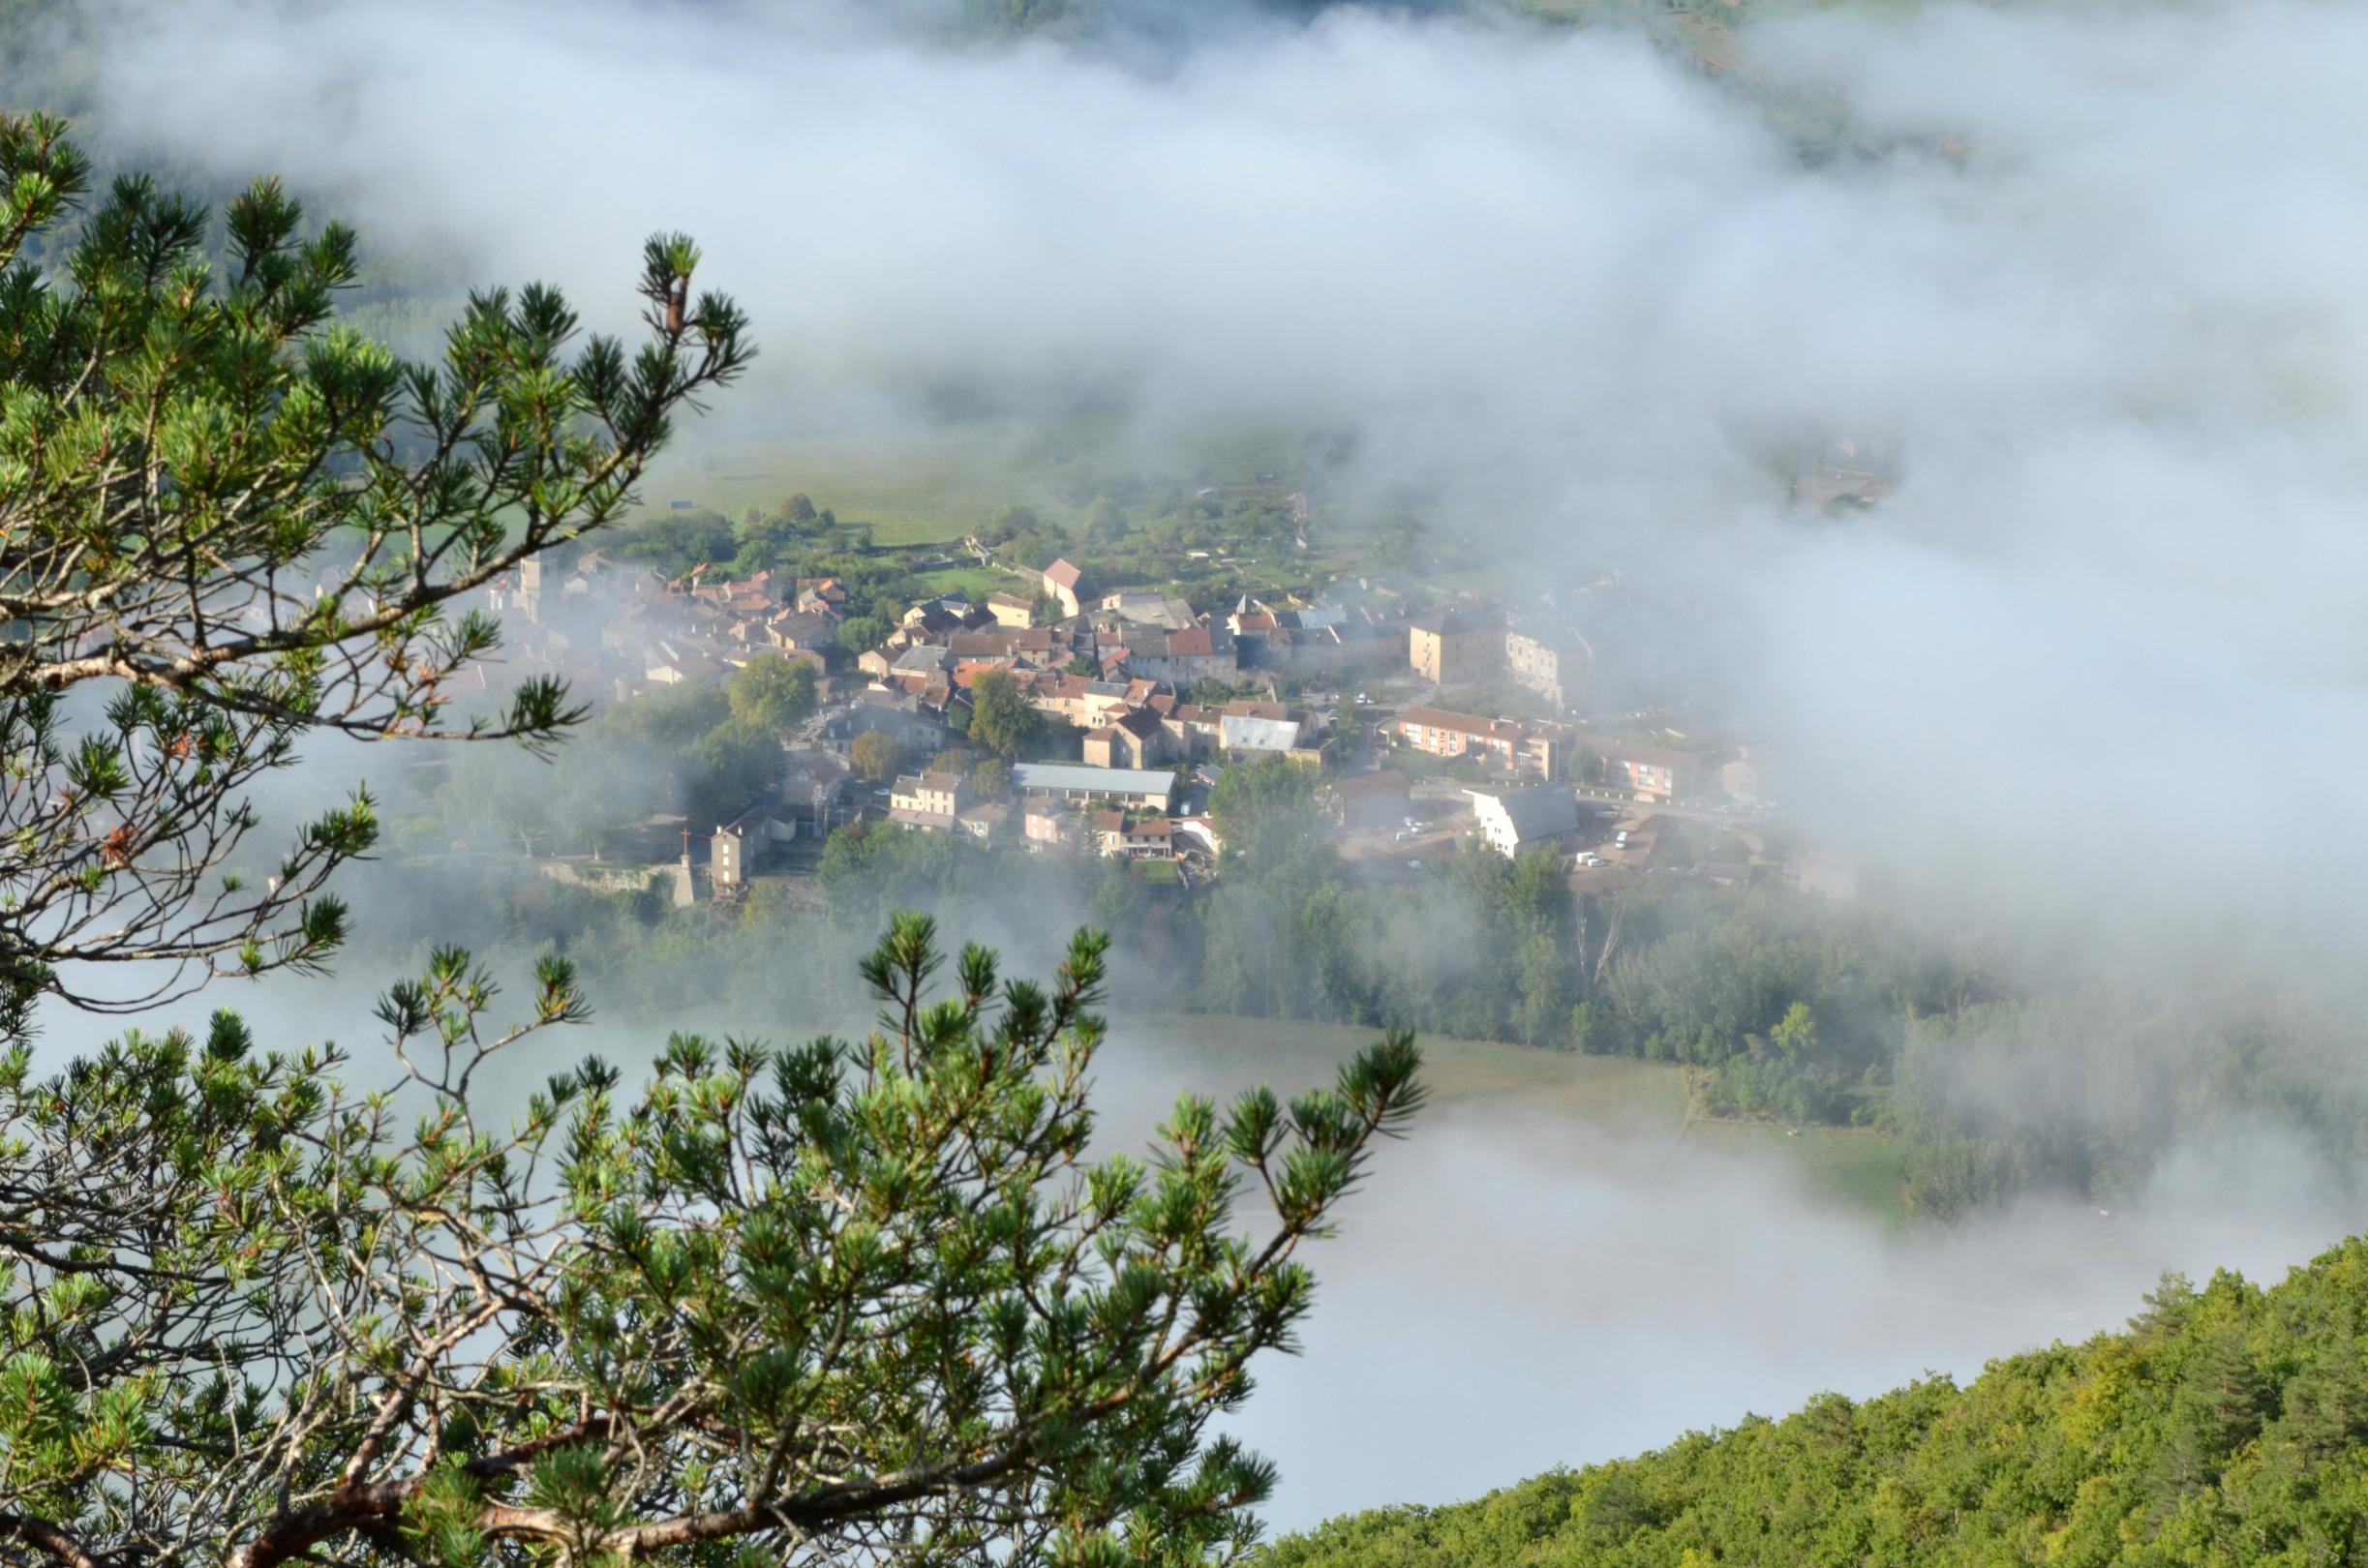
x: 2226, y: 1426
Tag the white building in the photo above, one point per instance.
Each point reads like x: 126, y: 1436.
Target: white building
x: 1517, y: 819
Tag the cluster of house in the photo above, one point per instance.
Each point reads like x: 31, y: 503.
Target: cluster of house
x: 1115, y: 811
x: 1122, y: 669
x: 618, y: 626
x: 1464, y: 648
x: 1150, y: 634
x: 1119, y: 667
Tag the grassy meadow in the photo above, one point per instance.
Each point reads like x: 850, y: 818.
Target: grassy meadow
x: 976, y: 582
x: 1601, y: 1089
x: 1857, y: 1168
x: 912, y: 488
x: 1616, y: 1096
x: 933, y: 486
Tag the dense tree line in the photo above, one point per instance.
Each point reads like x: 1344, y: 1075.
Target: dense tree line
x: 2082, y: 1088
x: 2000, y: 1074
x: 2223, y: 1427
x: 1785, y: 1006
x: 1998, y: 1079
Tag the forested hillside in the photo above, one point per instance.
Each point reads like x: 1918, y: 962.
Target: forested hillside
x: 2223, y: 1427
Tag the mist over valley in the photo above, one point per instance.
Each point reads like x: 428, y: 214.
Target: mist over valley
x: 1770, y: 581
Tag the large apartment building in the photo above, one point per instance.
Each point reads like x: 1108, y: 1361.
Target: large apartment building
x: 1559, y: 667
x: 1454, y: 648
x: 1659, y: 772
x: 1516, y: 747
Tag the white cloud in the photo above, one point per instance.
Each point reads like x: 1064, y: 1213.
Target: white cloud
x: 2099, y: 661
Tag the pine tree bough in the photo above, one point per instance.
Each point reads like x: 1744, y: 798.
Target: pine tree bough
x: 228, y: 523
x: 836, y: 1302
x: 839, y: 1302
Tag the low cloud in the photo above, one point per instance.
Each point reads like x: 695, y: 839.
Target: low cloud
x: 1513, y: 1295
x: 2095, y: 670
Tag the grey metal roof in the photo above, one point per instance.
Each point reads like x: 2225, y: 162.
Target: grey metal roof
x: 922, y: 658
x: 1547, y: 811
x: 1243, y: 732
x: 1100, y: 780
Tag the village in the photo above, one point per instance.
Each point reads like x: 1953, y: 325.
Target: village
x: 1136, y: 704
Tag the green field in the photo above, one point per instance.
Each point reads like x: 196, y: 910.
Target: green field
x: 912, y: 488
x: 932, y: 487
x: 977, y: 581
x: 1601, y: 1089
x: 1613, y: 1095
x: 1855, y: 1167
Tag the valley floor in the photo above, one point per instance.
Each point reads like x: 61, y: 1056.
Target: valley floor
x: 1641, y: 1100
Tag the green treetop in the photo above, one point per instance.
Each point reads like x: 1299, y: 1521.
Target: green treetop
x: 1002, y: 719
x: 832, y: 1302
x: 772, y: 694
x: 1265, y: 805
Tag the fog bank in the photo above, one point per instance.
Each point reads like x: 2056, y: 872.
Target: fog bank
x: 2094, y: 670
x: 2092, y: 271
x: 1518, y: 1289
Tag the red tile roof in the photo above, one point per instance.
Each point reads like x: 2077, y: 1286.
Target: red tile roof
x: 1438, y: 718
